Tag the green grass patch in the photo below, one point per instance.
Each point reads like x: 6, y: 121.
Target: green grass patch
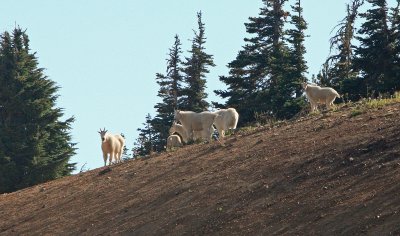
x: 364, y: 105
x: 356, y: 111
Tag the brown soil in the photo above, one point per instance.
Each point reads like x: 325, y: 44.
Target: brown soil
x: 329, y: 174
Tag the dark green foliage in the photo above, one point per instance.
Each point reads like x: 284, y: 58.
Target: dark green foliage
x: 294, y: 73
x: 195, y: 70
x: 395, y: 28
x: 372, y: 68
x: 35, y: 146
x: 376, y: 55
x: 266, y: 74
x: 265, y: 77
x: 183, y: 87
x: 171, y: 94
x: 339, y: 69
x: 144, y: 144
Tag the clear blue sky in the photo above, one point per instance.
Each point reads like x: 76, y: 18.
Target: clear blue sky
x: 104, y: 54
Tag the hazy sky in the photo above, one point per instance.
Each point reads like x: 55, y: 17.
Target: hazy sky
x: 104, y: 54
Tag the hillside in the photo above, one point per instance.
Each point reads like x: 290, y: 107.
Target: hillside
x: 333, y: 174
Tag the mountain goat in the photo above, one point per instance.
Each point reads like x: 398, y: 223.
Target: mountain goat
x: 196, y: 122
x: 173, y: 141
x: 179, y: 129
x: 112, y: 145
x: 226, y: 119
x: 322, y: 95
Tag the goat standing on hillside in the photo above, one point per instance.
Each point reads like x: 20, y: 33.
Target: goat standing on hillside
x: 317, y: 94
x: 181, y: 131
x: 196, y: 122
x: 112, y: 145
x: 226, y: 119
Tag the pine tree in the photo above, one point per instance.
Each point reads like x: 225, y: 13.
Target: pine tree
x: 144, y: 144
x: 195, y: 70
x: 171, y: 84
x: 342, y: 75
x: 294, y: 73
x: 248, y: 73
x: 324, y: 76
x: 262, y: 77
x: 171, y: 93
x: 35, y: 145
x: 376, y: 54
x: 298, y: 50
x: 395, y: 29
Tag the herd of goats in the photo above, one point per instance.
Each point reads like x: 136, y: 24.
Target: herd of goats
x: 195, y: 126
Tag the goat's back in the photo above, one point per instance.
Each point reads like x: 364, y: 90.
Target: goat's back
x: 197, y: 121
x: 317, y: 93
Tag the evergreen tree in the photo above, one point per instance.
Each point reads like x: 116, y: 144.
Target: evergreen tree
x: 35, y: 146
x: 298, y: 50
x: 144, y: 144
x: 278, y: 93
x: 323, y: 77
x: 395, y: 29
x: 342, y: 75
x: 195, y: 70
x: 294, y: 74
x: 171, y: 93
x: 263, y: 77
x: 376, y: 54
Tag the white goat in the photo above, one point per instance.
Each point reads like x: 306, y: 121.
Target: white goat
x: 173, y: 141
x: 179, y: 129
x: 322, y: 95
x: 196, y: 122
x: 112, y: 145
x: 226, y: 119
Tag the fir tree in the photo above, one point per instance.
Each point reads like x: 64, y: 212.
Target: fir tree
x: 35, y: 145
x: 376, y: 54
x: 278, y: 92
x: 195, y: 70
x: 171, y: 93
x: 262, y: 78
x: 298, y: 50
x: 323, y: 77
x: 395, y: 29
x: 144, y: 144
x: 294, y: 74
x: 342, y: 75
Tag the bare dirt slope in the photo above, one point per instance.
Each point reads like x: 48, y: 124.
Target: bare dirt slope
x: 329, y: 174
